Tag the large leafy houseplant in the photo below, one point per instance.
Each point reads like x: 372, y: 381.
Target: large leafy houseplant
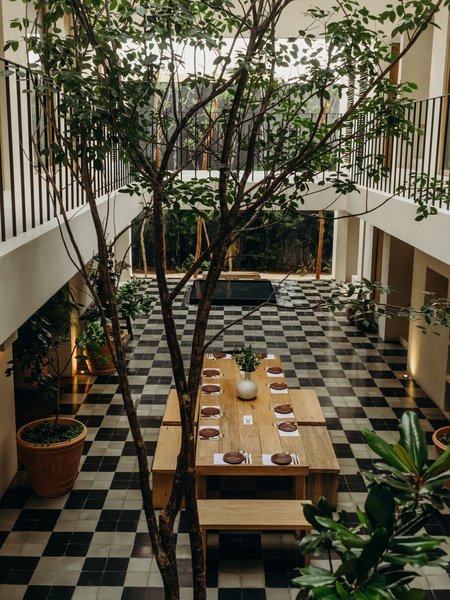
x: 50, y: 448
x: 379, y: 556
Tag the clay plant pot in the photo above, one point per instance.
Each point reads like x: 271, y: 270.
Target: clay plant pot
x: 51, y: 469
x: 102, y: 362
x: 439, y: 446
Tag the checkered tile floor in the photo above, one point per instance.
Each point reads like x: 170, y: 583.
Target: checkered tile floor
x: 92, y: 543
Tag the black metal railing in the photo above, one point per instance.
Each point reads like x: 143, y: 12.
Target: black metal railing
x: 28, y: 177
x: 415, y: 165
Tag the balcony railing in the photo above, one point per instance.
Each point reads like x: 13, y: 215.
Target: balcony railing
x: 416, y: 167
x: 411, y: 166
x: 26, y: 192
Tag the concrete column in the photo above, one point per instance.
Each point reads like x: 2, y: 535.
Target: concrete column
x: 397, y: 264
x: 122, y: 252
x: 340, y: 237
x: 428, y: 355
x: 345, y: 246
x: 365, y: 244
x: 8, y: 450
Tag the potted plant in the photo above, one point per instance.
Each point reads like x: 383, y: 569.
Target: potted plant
x: 358, y: 301
x: 248, y: 362
x: 50, y: 447
x: 404, y: 492
x: 92, y: 342
x: 441, y: 439
x: 51, y: 450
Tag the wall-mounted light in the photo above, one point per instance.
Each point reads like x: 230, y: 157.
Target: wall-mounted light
x: 405, y: 376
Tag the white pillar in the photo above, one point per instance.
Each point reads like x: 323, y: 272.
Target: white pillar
x: 8, y: 451
x: 345, y: 246
x: 365, y: 245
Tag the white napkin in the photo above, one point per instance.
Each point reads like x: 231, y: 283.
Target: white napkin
x: 284, y: 416
x: 272, y: 391
x: 274, y: 374
x: 295, y: 433
x: 218, y: 460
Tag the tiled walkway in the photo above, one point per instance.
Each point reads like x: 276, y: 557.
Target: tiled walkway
x: 92, y: 543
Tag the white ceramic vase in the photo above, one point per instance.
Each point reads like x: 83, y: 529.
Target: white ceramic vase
x: 246, y: 388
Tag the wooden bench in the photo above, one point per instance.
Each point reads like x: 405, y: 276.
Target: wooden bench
x: 172, y: 411
x: 323, y: 477
x: 165, y: 462
x: 250, y: 515
x: 306, y: 407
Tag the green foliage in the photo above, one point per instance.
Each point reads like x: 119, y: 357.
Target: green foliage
x: 92, y: 338
x: 380, y: 555
x: 275, y: 242
x: 364, y: 310
x: 41, y: 334
x: 49, y: 432
x: 246, y: 359
x: 130, y: 300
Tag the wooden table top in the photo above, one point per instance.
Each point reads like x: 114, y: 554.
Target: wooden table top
x: 260, y: 437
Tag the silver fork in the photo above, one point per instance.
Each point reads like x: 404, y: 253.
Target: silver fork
x: 295, y: 460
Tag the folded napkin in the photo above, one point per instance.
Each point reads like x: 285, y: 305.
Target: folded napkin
x: 284, y: 416
x: 272, y: 391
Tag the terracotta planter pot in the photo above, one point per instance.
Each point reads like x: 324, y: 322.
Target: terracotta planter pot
x: 439, y: 447
x: 52, y: 469
x: 102, y: 363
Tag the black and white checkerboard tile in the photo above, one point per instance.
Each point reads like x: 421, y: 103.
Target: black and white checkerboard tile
x: 93, y: 543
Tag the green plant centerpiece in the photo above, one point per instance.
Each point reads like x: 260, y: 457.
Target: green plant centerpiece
x: 379, y: 557
x: 248, y: 362
x: 246, y: 359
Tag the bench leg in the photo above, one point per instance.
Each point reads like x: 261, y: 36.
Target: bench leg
x: 201, y: 487
x: 299, y: 488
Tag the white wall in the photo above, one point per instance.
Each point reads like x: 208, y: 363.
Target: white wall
x: 8, y: 452
x: 35, y: 265
x: 428, y: 354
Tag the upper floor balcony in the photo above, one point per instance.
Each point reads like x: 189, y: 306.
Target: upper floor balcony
x: 412, y: 168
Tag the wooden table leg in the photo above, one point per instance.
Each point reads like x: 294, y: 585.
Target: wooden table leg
x: 299, y: 491
x: 201, y: 486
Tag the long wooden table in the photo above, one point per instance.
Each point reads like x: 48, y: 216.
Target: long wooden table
x: 318, y: 471
x: 248, y: 426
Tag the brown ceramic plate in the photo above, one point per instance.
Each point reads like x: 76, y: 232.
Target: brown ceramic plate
x: 233, y: 458
x: 283, y: 409
x: 210, y: 388
x: 278, y: 386
x: 286, y: 426
x: 209, y: 432
x: 281, y: 458
x: 275, y: 370
x: 211, y: 372
x: 219, y: 354
x: 210, y: 411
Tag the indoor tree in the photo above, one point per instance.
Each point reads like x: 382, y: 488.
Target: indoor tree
x: 181, y: 84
